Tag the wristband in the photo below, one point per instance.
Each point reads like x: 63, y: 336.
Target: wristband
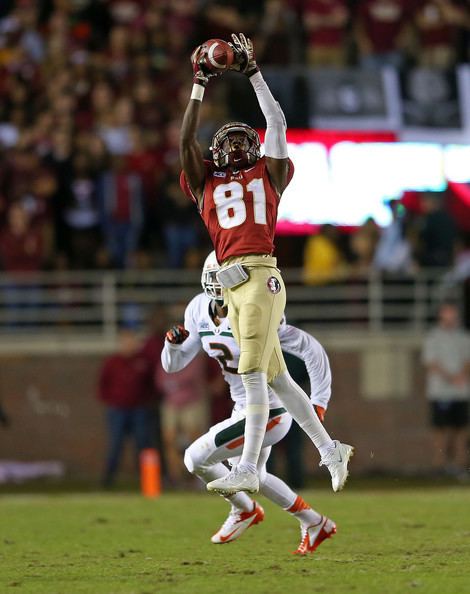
x: 198, y: 92
x: 252, y: 72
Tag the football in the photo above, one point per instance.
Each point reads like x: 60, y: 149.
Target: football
x: 217, y: 55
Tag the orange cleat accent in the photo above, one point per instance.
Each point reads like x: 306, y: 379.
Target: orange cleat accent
x: 313, y: 536
x: 236, y: 524
x: 299, y: 505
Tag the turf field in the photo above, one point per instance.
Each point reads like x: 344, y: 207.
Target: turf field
x: 388, y: 541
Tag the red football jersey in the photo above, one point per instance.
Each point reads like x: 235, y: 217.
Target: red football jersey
x: 239, y: 208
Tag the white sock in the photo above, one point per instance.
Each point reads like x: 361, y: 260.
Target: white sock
x: 241, y: 502
x: 257, y: 415
x: 299, y: 406
x: 327, y: 448
x: 304, y: 513
x: 281, y: 494
x: 277, y: 491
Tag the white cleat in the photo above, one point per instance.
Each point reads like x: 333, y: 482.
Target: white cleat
x: 313, y: 536
x: 236, y: 524
x: 337, y: 462
x: 234, y: 482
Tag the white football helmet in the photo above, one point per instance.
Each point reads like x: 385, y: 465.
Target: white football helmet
x: 210, y: 284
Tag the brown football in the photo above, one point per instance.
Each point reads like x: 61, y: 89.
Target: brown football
x: 218, y: 55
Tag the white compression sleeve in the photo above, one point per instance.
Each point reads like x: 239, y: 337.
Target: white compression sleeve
x: 257, y: 415
x: 300, y: 408
x: 275, y: 143
x: 277, y: 491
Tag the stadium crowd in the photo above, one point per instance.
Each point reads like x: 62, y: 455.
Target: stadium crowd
x: 91, y: 97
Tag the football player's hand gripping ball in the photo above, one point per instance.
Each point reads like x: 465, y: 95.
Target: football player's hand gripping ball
x: 177, y: 334
x: 201, y: 75
x: 244, y: 55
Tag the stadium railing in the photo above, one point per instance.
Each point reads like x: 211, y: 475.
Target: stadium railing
x: 91, y: 305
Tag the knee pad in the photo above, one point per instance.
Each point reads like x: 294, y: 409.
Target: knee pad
x: 188, y: 460
x: 195, y: 456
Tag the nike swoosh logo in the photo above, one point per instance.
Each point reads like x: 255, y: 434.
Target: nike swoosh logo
x: 225, y: 538
x: 340, y: 457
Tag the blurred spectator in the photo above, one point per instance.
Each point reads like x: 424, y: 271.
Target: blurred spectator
x: 393, y: 253
x: 146, y: 160
x: 325, y: 22
x: 125, y: 388
x: 21, y: 242
x: 181, y: 230
x: 59, y: 158
x: 437, y: 232
x: 460, y: 271
x: 446, y: 356
x: 184, y: 412
x: 115, y: 128
x: 459, y: 276
x: 277, y: 40
x: 22, y: 249
x: 81, y: 216
x: 437, y: 25
x: 121, y: 204
x: 363, y: 243
x: 323, y: 259
x: 382, y: 32
x: 221, y: 18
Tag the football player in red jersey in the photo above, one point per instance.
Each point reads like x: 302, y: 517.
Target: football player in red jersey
x: 237, y: 195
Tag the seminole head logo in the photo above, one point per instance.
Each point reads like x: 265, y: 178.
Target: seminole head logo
x: 274, y: 285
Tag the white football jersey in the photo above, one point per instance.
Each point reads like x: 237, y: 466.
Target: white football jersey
x: 218, y: 342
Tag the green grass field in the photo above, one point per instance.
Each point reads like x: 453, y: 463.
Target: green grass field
x: 388, y: 541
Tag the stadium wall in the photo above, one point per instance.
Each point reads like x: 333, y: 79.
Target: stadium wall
x: 378, y: 405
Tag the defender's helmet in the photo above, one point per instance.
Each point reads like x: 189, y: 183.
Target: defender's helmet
x: 210, y: 284
x: 221, y: 145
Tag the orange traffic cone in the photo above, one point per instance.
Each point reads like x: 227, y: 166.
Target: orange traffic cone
x: 150, y: 473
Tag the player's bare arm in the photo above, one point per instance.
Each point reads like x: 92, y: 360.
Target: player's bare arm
x: 277, y: 161
x: 190, y: 151
x: 192, y: 160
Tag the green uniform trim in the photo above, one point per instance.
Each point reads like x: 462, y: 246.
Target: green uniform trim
x: 210, y: 333
x: 238, y: 428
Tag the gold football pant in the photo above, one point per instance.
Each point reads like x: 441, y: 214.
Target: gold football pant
x: 255, y: 310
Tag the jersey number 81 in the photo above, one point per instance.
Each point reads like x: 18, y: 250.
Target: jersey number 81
x: 230, y: 204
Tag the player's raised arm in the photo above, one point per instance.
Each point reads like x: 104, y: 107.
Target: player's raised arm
x: 191, y: 157
x: 275, y: 143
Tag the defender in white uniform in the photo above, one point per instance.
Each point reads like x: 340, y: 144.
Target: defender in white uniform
x: 206, y: 327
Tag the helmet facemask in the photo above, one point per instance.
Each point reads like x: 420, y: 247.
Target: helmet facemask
x: 248, y: 152
x: 210, y: 284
